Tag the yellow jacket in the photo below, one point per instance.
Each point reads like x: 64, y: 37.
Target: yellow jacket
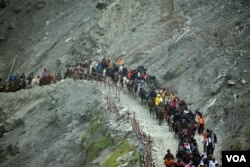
x: 158, y: 100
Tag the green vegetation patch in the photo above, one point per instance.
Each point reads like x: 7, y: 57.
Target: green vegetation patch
x: 97, y: 147
x: 96, y: 124
x: 123, y: 148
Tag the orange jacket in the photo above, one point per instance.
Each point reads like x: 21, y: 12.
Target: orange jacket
x: 169, y: 162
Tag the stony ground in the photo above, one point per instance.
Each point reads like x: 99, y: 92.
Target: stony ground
x: 46, y: 128
x: 163, y: 139
x: 195, y: 52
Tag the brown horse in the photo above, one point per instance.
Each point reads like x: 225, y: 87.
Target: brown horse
x: 116, y: 77
x: 151, y: 106
x: 53, y: 78
x: 21, y: 84
x: 44, y: 81
x: 130, y: 85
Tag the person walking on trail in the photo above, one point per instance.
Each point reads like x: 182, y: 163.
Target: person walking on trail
x: 205, y: 135
x: 211, y: 145
x: 201, y: 124
x: 169, y: 159
x: 169, y: 155
x: 169, y: 162
x: 212, y: 162
x: 178, y: 163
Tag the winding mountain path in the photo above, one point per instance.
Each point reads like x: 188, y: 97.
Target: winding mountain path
x: 163, y: 139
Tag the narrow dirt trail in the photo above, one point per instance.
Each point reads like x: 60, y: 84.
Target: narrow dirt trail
x: 163, y: 139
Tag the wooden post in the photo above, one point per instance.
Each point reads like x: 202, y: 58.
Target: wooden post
x: 171, y: 7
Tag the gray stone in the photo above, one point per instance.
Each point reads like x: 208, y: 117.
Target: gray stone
x: 40, y: 4
x: 231, y: 82
x: 243, y: 81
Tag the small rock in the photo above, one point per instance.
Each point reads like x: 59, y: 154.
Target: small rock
x: 40, y: 5
x: 11, y: 26
x: 245, y: 71
x: 231, y: 82
x: 28, y: 9
x: 3, y: 35
x: 17, y: 10
x: 243, y: 81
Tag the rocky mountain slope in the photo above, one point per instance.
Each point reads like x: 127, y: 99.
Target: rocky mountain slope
x: 195, y: 52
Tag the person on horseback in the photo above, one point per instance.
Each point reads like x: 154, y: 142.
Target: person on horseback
x: 85, y: 66
x: 143, y: 89
x: 158, y: 100
x: 120, y: 69
x: 30, y: 77
x: 152, y: 94
x: 13, y: 78
x: 110, y: 64
x: 143, y: 86
x: 99, y: 68
x: 53, y: 77
x: 58, y: 76
x: 22, y: 76
x: 163, y: 93
x: 144, y: 76
x: 130, y: 74
x: 45, y: 73
x: 104, y: 63
x: 124, y: 71
x: 158, y: 106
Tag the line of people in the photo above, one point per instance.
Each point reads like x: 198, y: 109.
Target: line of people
x: 166, y: 106
x: 163, y: 105
x: 18, y: 82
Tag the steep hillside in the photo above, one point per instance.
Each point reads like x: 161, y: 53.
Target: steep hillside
x: 195, y: 51
x: 65, y: 124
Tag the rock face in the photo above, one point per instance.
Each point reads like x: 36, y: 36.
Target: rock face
x: 195, y: 52
x: 46, y: 128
